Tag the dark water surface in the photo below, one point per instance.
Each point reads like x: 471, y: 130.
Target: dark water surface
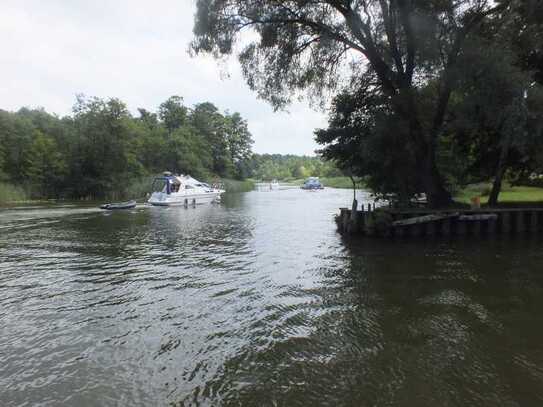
x: 259, y: 302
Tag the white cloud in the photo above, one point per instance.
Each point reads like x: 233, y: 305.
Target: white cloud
x: 133, y: 50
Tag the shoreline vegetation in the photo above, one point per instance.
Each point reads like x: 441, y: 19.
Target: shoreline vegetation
x: 13, y: 195
x: 103, y: 152
x: 510, y: 195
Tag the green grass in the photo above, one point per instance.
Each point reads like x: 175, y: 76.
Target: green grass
x: 508, y: 194
x: 338, y: 182
x: 11, y: 193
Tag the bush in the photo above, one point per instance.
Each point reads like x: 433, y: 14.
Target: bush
x: 231, y: 185
x: 11, y: 193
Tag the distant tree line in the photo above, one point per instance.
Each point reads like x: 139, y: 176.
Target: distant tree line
x: 102, y: 149
x: 267, y: 167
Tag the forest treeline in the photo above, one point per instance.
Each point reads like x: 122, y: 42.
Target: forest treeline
x: 267, y: 167
x: 103, y: 151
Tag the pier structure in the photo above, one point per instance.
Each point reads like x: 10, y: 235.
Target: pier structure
x: 433, y: 222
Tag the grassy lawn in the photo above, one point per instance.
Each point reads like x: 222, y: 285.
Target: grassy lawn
x: 509, y: 194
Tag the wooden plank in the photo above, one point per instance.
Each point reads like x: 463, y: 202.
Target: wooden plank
x: 485, y: 216
x: 423, y: 219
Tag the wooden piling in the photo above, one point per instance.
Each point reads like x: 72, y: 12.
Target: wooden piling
x: 461, y: 228
x: 505, y: 222
x: 476, y: 228
x: 492, y: 226
x: 429, y: 223
x: 534, y: 221
x: 446, y: 227
x: 520, y: 224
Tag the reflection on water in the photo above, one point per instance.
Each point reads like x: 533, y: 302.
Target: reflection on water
x: 258, y: 301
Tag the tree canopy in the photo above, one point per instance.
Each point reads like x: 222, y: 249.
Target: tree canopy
x: 103, y: 150
x: 406, y: 56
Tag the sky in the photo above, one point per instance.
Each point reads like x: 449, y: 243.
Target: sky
x: 137, y: 51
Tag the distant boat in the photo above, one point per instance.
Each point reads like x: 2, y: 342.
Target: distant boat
x: 119, y: 205
x: 274, y: 184
x: 172, y: 190
x: 312, y: 183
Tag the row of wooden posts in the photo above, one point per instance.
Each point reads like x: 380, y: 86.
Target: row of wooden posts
x: 426, y: 222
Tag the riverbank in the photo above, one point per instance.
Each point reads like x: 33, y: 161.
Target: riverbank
x: 138, y: 190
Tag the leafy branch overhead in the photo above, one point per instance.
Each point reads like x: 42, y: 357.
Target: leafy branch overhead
x: 409, y: 52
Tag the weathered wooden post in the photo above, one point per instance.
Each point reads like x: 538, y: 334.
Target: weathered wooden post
x: 446, y: 227
x: 491, y: 226
x: 354, y: 217
x: 414, y: 230
x: 520, y: 222
x: 476, y: 228
x: 533, y: 221
x: 345, y: 220
x: 461, y: 227
x: 506, y: 222
x: 430, y: 229
x: 362, y: 219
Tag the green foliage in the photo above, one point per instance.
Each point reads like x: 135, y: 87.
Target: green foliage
x: 172, y: 113
x: 44, y: 166
x: 232, y: 185
x: 267, y: 167
x: 102, y: 151
x: 400, y: 64
x: 340, y: 182
x: 10, y: 193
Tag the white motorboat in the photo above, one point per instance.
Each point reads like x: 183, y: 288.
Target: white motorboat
x: 172, y: 190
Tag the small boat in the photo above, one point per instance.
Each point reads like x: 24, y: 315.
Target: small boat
x: 312, y: 183
x: 170, y: 190
x: 274, y: 185
x: 119, y: 205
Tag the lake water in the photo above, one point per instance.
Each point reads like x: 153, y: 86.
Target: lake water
x: 259, y: 302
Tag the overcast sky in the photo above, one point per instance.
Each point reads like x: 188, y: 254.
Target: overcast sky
x: 135, y: 50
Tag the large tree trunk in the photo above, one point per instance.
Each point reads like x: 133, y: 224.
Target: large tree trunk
x: 432, y: 182
x: 500, y: 172
x: 496, y: 187
x: 436, y: 193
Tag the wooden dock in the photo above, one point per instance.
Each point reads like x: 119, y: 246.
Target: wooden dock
x: 449, y: 222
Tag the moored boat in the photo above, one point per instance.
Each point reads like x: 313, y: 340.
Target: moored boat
x: 172, y: 190
x: 119, y: 205
x: 312, y: 183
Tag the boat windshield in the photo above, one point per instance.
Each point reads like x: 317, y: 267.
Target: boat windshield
x: 159, y: 185
x: 165, y: 184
